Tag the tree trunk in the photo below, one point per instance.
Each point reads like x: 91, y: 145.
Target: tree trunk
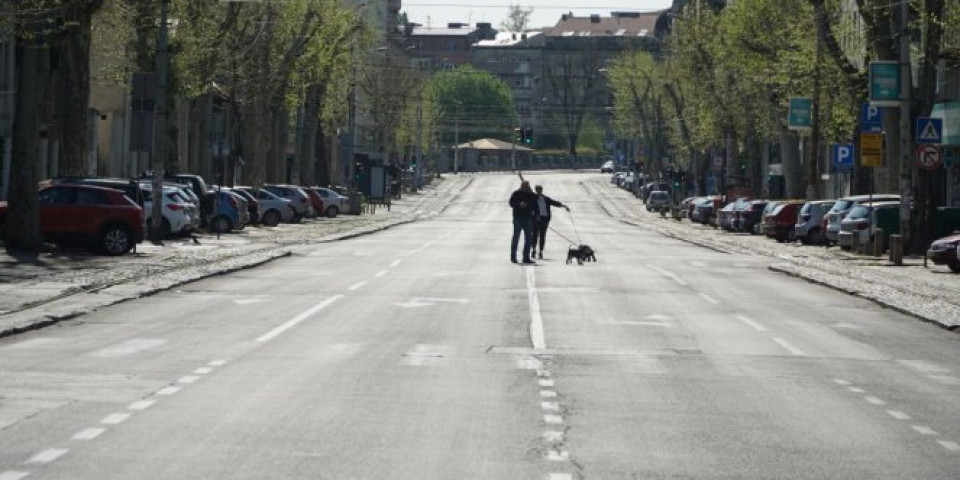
x: 790, y: 158
x: 22, y: 230
x: 308, y: 136
x: 74, y: 91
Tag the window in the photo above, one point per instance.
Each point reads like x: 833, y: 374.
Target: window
x: 91, y: 197
x: 56, y: 196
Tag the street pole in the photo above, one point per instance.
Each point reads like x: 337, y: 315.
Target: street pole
x: 906, y: 142
x: 419, y: 171
x: 156, y: 214
x: 456, y: 143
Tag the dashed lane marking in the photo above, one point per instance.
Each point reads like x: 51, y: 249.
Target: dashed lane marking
x: 357, y: 285
x: 203, y: 370
x: 188, y: 379
x: 952, y: 446
x: 923, y: 430
x: 546, y: 383
x: 790, y: 348
x: 550, y: 406
x: 548, y: 394
x: 168, y: 390
x: 752, y: 323
x: 381, y: 273
x: 561, y: 476
x: 217, y: 363
x: 13, y: 475
x: 115, y: 418
x: 48, y: 455
x: 558, y: 456
x: 841, y: 382
x: 553, y: 419
x: 553, y: 436
x: 396, y: 263
x: 88, y: 433
x: 141, y: 404
x: 855, y: 389
x: 874, y: 400
x: 898, y: 415
x: 299, y: 318
x: 709, y: 299
x: 669, y: 275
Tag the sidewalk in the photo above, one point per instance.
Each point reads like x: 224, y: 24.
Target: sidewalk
x: 927, y: 293
x: 64, y: 284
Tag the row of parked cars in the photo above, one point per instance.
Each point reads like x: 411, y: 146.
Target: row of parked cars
x: 112, y: 215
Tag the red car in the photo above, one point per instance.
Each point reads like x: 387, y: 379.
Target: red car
x: 779, y: 223
x: 316, y: 201
x: 102, y: 218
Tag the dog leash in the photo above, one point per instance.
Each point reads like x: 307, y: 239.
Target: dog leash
x: 571, y: 242
x: 579, y: 241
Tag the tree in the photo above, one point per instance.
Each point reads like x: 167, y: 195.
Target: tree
x: 517, y: 19
x: 573, y: 79
x: 470, y: 102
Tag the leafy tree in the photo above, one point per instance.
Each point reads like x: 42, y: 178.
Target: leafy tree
x: 517, y: 19
x: 470, y: 101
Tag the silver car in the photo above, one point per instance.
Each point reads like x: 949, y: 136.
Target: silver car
x: 809, y: 227
x: 843, y: 207
x: 299, y: 199
x: 273, y: 209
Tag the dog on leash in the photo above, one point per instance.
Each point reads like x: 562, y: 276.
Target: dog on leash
x: 581, y: 253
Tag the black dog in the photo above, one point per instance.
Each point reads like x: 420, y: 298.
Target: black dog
x: 582, y: 253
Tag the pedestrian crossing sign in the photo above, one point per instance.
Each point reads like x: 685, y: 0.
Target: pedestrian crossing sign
x: 929, y: 130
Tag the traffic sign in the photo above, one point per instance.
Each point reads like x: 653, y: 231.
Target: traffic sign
x: 800, y: 115
x: 843, y: 156
x: 871, y: 118
x: 929, y: 130
x: 885, y: 83
x: 871, y: 149
x: 928, y: 157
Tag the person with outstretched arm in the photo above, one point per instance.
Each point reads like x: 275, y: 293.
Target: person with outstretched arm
x: 543, y: 219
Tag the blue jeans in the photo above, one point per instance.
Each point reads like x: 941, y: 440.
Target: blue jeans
x: 524, y: 224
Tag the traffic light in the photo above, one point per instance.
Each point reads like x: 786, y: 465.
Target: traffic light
x: 357, y: 170
x: 518, y: 135
x: 528, y: 135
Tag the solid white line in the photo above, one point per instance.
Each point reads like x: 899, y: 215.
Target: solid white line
x: 790, y: 348
x: 13, y: 475
x: 203, y: 370
x: 356, y: 286
x: 396, y: 263
x: 898, y: 415
x: 299, y: 318
x: 168, y: 390
x: 537, y: 336
x: 188, y: 379
x: 952, y: 446
x: 381, y: 273
x: 923, y: 430
x: 753, y: 324
x: 670, y: 275
x: 875, y: 400
x: 141, y: 405
x: 48, y: 455
x: 709, y: 299
x: 548, y: 394
x: 88, y: 433
x: 546, y: 383
x: 553, y: 419
x: 115, y: 418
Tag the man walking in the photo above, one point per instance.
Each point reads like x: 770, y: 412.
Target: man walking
x: 523, y: 201
x: 543, y: 219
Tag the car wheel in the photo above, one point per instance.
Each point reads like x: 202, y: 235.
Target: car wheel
x: 271, y: 218
x: 116, y: 240
x: 332, y: 211
x: 296, y: 218
x: 222, y: 224
x: 954, y: 267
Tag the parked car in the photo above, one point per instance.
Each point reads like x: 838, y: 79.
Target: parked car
x: 946, y: 251
x: 253, y: 205
x: 179, y: 215
x: 607, y: 167
x: 861, y: 224
x: 333, y: 202
x: 843, y: 206
x: 132, y: 188
x: 228, y: 211
x: 99, y: 217
x: 751, y: 217
x: 299, y: 199
x: 316, y: 201
x: 273, y: 209
x: 809, y: 223
x: 779, y: 223
x: 703, y: 209
x: 657, y: 200
x: 725, y: 216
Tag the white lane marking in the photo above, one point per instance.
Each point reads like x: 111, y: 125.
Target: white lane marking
x: 381, y: 273
x: 537, y: 336
x: 299, y: 318
x: 790, y: 348
x: 217, y: 363
x: 396, y: 263
x: 561, y: 476
x: 129, y: 347
x: 48, y: 455
x: 88, y: 433
x: 553, y: 419
x: 874, y: 400
x: 638, y: 323
x: 553, y: 436
x: 841, y: 382
x: 188, y: 379
x: 356, y: 286
x: 13, y: 475
x: 546, y: 383
x: 141, y: 405
x: 752, y: 323
x: 898, y: 415
x: 555, y: 456
x: 855, y: 389
x: 248, y: 301
x: 923, y: 429
x: 528, y: 363
x: 952, y: 446
x: 203, y: 370
x: 669, y: 275
x: 168, y: 390
x: 115, y: 418
x: 548, y: 394
x: 543, y: 373
x: 709, y: 299
x: 552, y: 406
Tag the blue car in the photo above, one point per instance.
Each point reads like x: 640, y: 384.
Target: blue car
x: 229, y: 211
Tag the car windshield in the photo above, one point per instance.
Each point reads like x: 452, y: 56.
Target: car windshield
x: 858, y: 213
x: 842, y: 205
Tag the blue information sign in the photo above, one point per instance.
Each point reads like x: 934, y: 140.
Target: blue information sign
x: 843, y: 156
x: 871, y: 118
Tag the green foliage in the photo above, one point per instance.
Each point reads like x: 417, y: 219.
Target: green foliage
x: 475, y: 100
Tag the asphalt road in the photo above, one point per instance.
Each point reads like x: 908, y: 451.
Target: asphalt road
x: 421, y: 352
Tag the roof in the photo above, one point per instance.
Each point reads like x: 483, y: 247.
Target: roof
x: 620, y: 24
x: 492, y: 144
x: 508, y: 39
x: 420, y: 31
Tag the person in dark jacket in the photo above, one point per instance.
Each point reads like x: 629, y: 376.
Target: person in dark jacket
x: 543, y: 219
x: 524, y: 202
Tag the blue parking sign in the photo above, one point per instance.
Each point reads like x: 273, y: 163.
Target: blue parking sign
x: 843, y: 156
x: 871, y: 118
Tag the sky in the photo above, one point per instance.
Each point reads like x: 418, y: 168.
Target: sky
x: 546, y: 13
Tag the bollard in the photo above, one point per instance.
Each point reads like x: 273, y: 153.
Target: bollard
x: 878, y: 243
x: 896, y: 249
